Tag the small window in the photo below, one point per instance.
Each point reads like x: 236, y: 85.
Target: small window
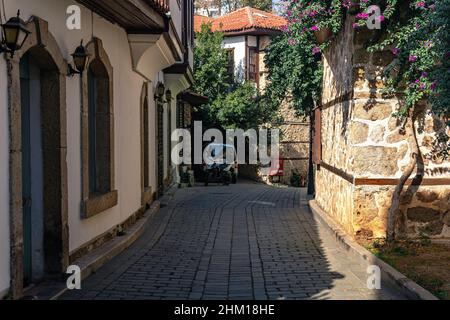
x: 230, y: 65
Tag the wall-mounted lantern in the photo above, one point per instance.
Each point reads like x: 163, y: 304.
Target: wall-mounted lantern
x: 159, y: 92
x: 168, y: 96
x: 80, y: 59
x: 14, y: 34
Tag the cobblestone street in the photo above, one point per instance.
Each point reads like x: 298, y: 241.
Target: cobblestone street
x: 247, y: 241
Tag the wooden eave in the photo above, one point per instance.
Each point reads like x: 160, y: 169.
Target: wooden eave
x: 135, y: 16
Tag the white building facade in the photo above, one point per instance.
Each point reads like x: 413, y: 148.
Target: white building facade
x: 82, y: 155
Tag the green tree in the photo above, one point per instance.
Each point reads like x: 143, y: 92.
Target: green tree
x: 293, y: 71
x: 231, y: 105
x: 210, y: 69
x: 265, y: 5
x: 233, y: 5
x: 210, y: 63
x: 240, y: 108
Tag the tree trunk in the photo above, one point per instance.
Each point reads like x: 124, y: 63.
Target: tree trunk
x: 394, y: 210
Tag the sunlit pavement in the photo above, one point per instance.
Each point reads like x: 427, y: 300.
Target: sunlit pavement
x: 245, y: 241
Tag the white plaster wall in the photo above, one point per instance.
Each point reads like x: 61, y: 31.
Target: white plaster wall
x: 238, y: 43
x: 252, y: 41
x: 4, y: 184
x: 127, y: 91
x: 175, y: 12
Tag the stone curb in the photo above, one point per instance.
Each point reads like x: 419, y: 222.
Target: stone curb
x: 408, y: 287
x: 101, y: 255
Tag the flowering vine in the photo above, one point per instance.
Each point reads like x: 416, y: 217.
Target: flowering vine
x: 416, y: 31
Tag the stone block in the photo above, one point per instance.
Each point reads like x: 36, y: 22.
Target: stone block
x: 394, y: 123
x: 403, y: 150
x: 359, y: 78
x: 366, y: 209
x: 423, y: 214
x: 433, y: 228
x: 377, y: 133
x: 396, y: 136
x: 358, y: 132
x: 372, y: 110
x: 375, y: 160
x: 427, y: 196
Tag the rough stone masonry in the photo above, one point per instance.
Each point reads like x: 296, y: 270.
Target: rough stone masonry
x: 364, y: 152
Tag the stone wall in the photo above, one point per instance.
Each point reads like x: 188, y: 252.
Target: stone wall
x: 294, y: 143
x: 364, y: 152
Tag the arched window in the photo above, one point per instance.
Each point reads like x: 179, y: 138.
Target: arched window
x: 99, y: 129
x: 97, y: 133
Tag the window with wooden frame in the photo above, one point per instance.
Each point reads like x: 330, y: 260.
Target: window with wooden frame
x: 97, y: 133
x: 253, y: 64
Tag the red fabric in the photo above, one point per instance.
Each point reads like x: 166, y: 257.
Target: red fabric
x: 277, y: 168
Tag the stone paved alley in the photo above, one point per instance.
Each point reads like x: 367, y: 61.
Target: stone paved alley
x: 247, y: 241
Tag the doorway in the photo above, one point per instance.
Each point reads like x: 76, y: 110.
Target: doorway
x: 41, y: 183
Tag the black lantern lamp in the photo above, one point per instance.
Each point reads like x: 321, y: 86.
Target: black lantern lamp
x: 168, y: 95
x: 14, y: 35
x: 160, y: 89
x: 80, y: 58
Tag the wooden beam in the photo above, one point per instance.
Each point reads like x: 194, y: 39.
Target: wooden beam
x: 417, y: 181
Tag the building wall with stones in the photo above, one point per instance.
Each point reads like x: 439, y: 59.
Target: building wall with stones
x: 294, y: 143
x: 364, y: 152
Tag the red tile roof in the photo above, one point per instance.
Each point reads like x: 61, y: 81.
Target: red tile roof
x: 199, y: 21
x: 241, y: 20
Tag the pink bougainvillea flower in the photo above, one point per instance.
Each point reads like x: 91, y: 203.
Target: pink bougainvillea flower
x: 316, y: 50
x: 362, y: 16
x: 420, y: 4
x: 314, y: 28
x: 412, y: 58
x: 355, y: 25
x: 395, y: 51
